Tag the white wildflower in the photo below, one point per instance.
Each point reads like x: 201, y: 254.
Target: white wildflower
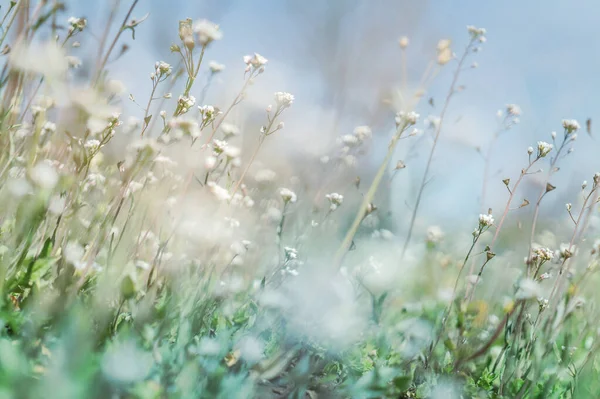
x: 410, y: 118
x: 206, y: 32
x: 229, y: 129
x: 544, y: 254
x: 74, y: 62
x: 215, y: 67
x: 77, y: 23
x: 219, y: 192
x: 513, y: 110
x: 435, y: 234
x: 528, y: 289
x: 265, y: 175
x: 163, y: 68
x: 363, y: 132
x: 335, y: 200
x: 476, y: 32
x: 256, y: 61
x: 44, y: 175
x: 543, y: 148
x: 133, y: 187
x: 486, y: 220
x: 283, y: 99
x: 570, y: 125
x: 287, y: 195
x: 403, y: 41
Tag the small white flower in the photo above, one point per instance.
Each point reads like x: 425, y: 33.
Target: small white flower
x: 163, y: 68
x: 544, y: 254
x: 265, y: 175
x: 476, y: 32
x: 256, y: 61
x: 77, y: 23
x: 230, y: 130
x: 486, y: 220
x: 528, y: 289
x: 566, y: 251
x: 215, y: 67
x: 232, y: 152
x: 48, y: 128
x: 363, y: 132
x: 410, y: 118
x: 132, y: 187
x: 435, y: 234
x: 403, y: 41
x: 335, y: 200
x: 73, y: 253
x: 208, y: 113
x: 74, y: 62
x: 544, y: 276
x: 349, y: 140
x: 210, y: 162
x: 219, y: 192
x: 162, y: 159
x: 530, y: 150
x: 570, y: 125
x: 187, y: 126
x: 207, y: 31
x: 513, y: 110
x: 283, y: 99
x: 290, y: 253
x: 219, y: 146
x: 44, y: 175
x: 114, y: 86
x: 543, y: 148
x: 432, y: 121
x: 92, y: 144
x: 287, y: 195
x: 444, y: 44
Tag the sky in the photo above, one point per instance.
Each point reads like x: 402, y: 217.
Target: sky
x: 337, y: 57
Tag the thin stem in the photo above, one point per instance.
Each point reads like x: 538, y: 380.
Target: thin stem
x: 247, y: 168
x: 114, y: 42
x: 542, y: 193
x: 368, y: 198
x: 233, y: 104
x: 435, y: 141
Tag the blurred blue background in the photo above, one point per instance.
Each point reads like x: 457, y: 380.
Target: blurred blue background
x: 340, y: 57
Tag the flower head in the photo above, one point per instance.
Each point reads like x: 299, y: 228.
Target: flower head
x: 206, y: 32
x: 283, y: 99
x: 543, y: 148
x: 570, y: 125
x: 335, y: 200
x: 486, y: 220
x: 256, y: 61
x: 287, y: 195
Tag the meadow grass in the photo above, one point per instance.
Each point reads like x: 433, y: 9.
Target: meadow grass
x: 156, y: 254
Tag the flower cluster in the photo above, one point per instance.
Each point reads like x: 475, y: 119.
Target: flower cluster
x: 570, y: 125
x: 485, y: 220
x: 543, y: 149
x: 335, y: 200
x: 77, y: 24
x: 255, y: 62
x: 287, y: 195
x: 409, y: 118
x: 206, y: 32
x: 283, y: 99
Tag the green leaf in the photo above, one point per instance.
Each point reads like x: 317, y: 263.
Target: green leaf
x: 402, y: 383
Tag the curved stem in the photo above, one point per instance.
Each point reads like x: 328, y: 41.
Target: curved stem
x: 435, y: 142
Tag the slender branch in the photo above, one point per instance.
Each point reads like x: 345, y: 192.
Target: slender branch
x: 435, y: 141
